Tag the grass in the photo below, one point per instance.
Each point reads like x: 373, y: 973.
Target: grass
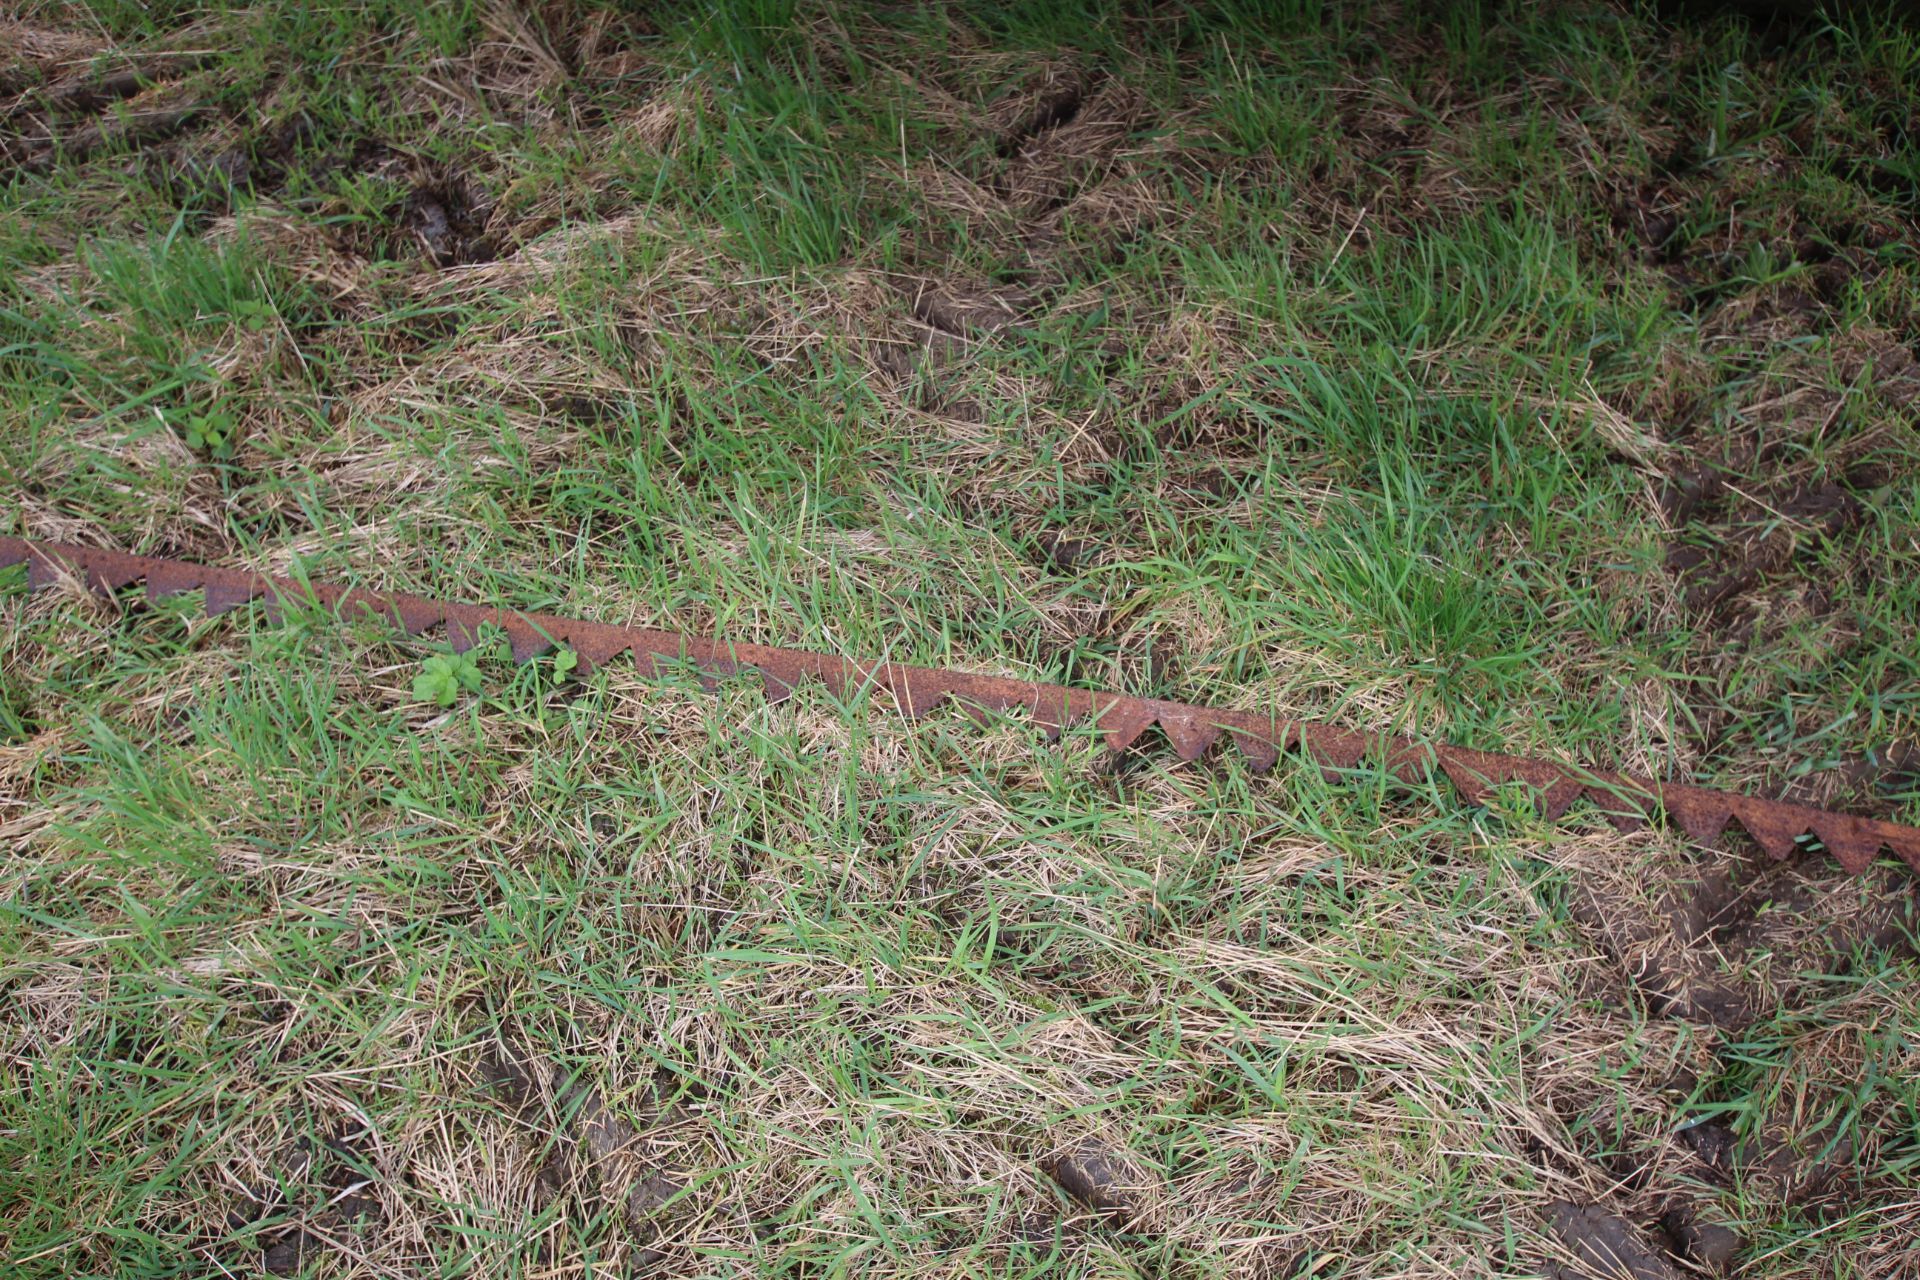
x: 1352, y: 361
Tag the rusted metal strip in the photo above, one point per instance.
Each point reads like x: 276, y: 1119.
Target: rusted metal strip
x: 1625, y: 800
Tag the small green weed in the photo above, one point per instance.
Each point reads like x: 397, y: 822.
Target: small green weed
x: 443, y: 676
x: 211, y: 431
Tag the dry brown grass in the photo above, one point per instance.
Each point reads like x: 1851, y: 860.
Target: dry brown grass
x: 632, y: 975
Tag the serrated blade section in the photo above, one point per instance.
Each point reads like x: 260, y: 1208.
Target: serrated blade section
x: 595, y: 644
x: 712, y: 669
x: 1054, y: 708
x: 1850, y: 840
x: 1261, y: 741
x: 417, y: 616
x: 527, y: 639
x: 108, y: 576
x: 225, y: 594
x: 1411, y: 762
x: 650, y: 654
x: 1776, y: 828
x: 1123, y: 720
x: 1621, y: 802
x: 464, y: 622
x: 1904, y: 841
x: 170, y: 578
x: 1558, y: 796
x: 44, y: 569
x: 1701, y: 813
x: 1336, y: 751
x: 1190, y: 730
x: 1470, y: 774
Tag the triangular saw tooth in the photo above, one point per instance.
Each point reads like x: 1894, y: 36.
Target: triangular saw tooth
x: 1775, y: 827
x: 1701, y: 815
x: 1188, y: 731
x: 1262, y: 746
x: 324, y: 594
x: 776, y: 689
x: 1467, y: 773
x: 1260, y: 738
x: 1852, y: 842
x: 526, y: 639
x: 1625, y: 808
x: 44, y: 569
x: 595, y: 644
x: 463, y: 625
x: 837, y: 674
x: 169, y: 578
x: 1334, y: 750
x: 1123, y: 720
x: 647, y: 658
x: 108, y: 575
x: 417, y: 616
x: 1904, y: 843
x: 1558, y: 797
x: 713, y: 669
x: 1411, y: 762
x: 411, y: 614
x: 227, y: 594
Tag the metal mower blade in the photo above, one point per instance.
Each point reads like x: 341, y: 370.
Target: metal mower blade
x: 1625, y: 800
x: 170, y: 577
x: 1123, y: 720
x: 1190, y: 732
x: 1702, y: 815
x: 916, y: 690
x: 226, y: 595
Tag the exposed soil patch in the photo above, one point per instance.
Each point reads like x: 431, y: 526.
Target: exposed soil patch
x: 320, y: 1193
x: 142, y: 126
x: 1707, y: 1246
x: 80, y: 114
x: 1654, y: 944
x: 1793, y: 1158
x: 588, y: 1148
x: 1801, y: 522
x: 1605, y: 1246
x: 1052, y: 99
x: 82, y: 95
x: 1735, y: 935
x: 965, y: 312
x: 1051, y: 165
x: 1102, y: 1179
x: 1774, y: 513
x: 1712, y: 1145
x: 264, y: 162
x: 1651, y: 213
x: 1728, y: 941
x: 442, y: 221
x: 1064, y: 554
